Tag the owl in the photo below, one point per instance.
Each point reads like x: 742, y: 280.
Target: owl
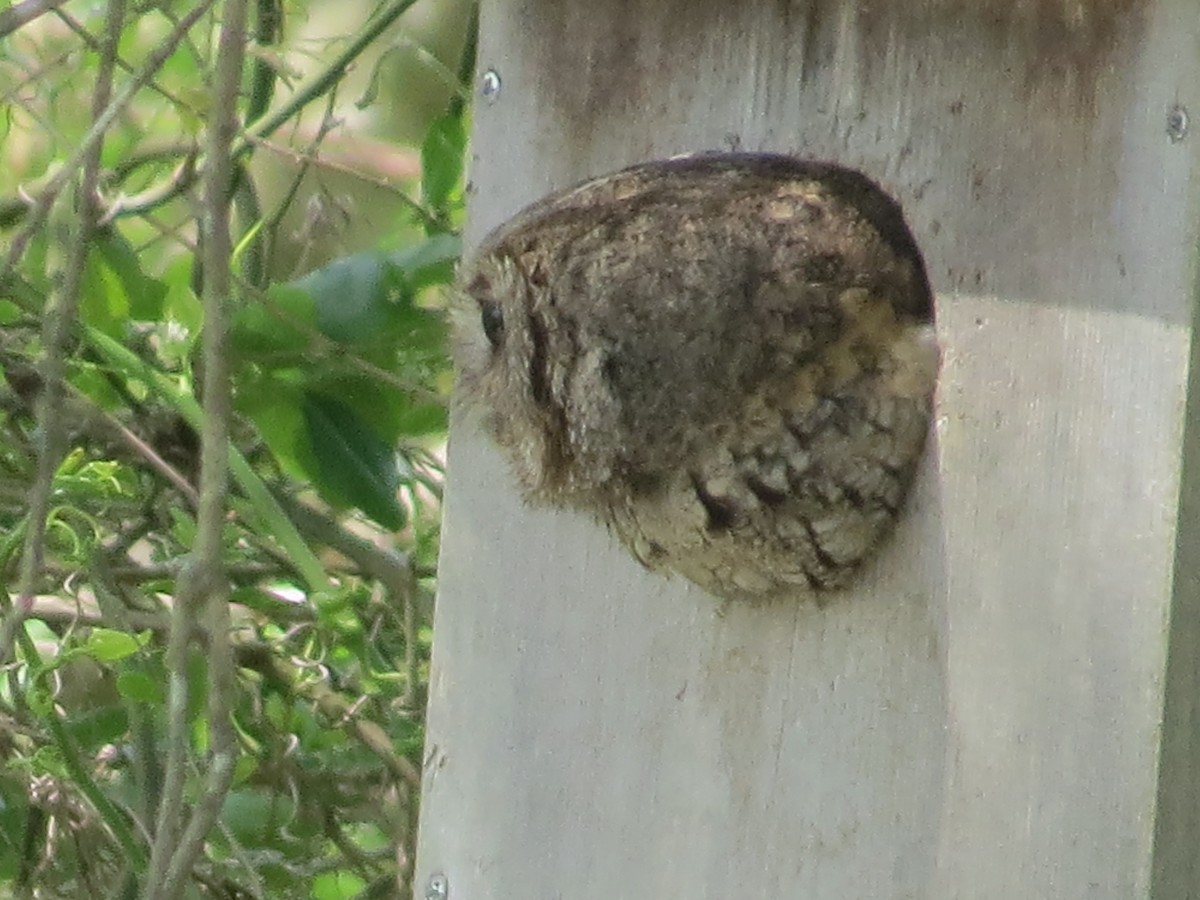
x: 728, y: 358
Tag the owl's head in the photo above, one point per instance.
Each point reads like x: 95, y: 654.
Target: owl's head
x: 504, y: 369
x: 483, y: 346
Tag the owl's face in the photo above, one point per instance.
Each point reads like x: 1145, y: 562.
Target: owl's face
x: 502, y: 367
x: 489, y: 284
x: 727, y: 358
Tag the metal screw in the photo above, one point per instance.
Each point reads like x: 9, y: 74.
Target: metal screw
x: 438, y: 887
x: 489, y: 85
x: 1177, y: 123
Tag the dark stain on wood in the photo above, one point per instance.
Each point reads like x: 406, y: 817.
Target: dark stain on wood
x: 1057, y: 47
x: 610, y: 57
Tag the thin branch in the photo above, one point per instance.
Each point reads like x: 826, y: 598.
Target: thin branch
x: 239, y: 573
x: 270, y: 225
x: 319, y: 84
x: 391, y: 568
x: 335, y: 706
x: 158, y: 194
x: 60, y: 318
x: 58, y: 325
x: 466, y: 63
x: 84, y: 610
x: 261, y: 507
x: 56, y: 610
x: 325, y: 79
x: 100, y: 125
x: 331, y: 163
x: 13, y: 210
x: 83, y: 34
x: 203, y: 592
x: 268, y: 29
x: 21, y: 14
x: 148, y: 453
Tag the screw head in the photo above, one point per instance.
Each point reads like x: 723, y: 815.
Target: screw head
x: 489, y: 85
x: 438, y: 887
x: 1177, y: 123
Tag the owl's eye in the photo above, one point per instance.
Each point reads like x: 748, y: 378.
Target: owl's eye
x: 490, y: 314
x: 492, y: 318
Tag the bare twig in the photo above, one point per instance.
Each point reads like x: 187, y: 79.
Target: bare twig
x: 21, y: 14
x: 82, y: 33
x: 336, y: 707
x: 84, y: 609
x: 58, y: 324
x: 270, y: 224
x: 157, y: 195
x: 100, y: 125
x: 390, y: 567
x: 325, y: 79
x: 147, y: 452
x: 203, y: 591
x: 342, y: 163
x: 239, y: 573
x: 315, y: 87
x: 319, y: 84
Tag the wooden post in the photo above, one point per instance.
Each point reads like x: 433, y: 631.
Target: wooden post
x: 1004, y: 706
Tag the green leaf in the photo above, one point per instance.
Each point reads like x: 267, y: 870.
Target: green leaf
x: 351, y: 295
x: 417, y: 419
x: 108, y: 645
x: 183, y: 526
x: 95, y: 384
x: 14, y: 810
x: 140, y: 688
x: 243, y: 769
x: 339, y: 885
x: 115, y: 289
x: 368, y: 836
x: 385, y: 406
x: 103, y: 302
x: 275, y: 334
x: 145, y: 294
x: 274, y: 401
x: 248, y: 813
x: 430, y: 262
x: 354, y: 465
x: 181, y: 307
x: 9, y: 312
x: 38, y: 632
x: 364, y: 301
x: 442, y: 155
x: 93, y: 728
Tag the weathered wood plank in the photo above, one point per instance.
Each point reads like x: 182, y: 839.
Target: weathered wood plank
x: 990, y: 712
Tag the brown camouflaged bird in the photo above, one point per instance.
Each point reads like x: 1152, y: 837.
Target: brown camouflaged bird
x: 729, y: 358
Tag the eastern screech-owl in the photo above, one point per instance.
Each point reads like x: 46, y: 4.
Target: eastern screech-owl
x: 729, y: 358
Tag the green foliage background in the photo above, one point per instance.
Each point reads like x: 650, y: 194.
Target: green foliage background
x: 345, y: 237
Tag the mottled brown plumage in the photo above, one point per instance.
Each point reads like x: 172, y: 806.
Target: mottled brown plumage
x: 729, y: 358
